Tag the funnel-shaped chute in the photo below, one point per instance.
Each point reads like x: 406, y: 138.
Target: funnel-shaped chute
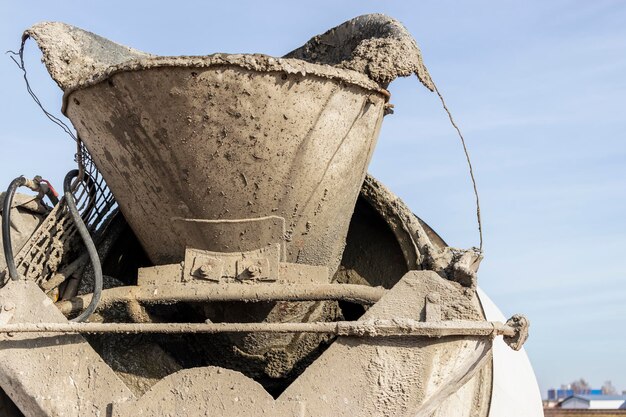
x: 218, y: 152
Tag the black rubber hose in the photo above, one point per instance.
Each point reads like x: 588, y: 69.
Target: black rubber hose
x: 89, y: 245
x: 53, y: 198
x: 6, y: 226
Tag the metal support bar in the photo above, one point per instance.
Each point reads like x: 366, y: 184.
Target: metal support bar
x: 206, y: 292
x: 373, y: 328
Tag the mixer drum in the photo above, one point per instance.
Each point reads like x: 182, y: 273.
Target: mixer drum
x: 232, y: 137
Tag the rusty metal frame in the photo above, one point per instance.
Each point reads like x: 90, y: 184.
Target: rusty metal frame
x: 205, y: 292
x: 373, y: 328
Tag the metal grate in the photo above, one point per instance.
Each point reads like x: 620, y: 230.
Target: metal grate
x: 93, y: 197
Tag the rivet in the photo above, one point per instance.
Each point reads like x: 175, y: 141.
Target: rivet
x: 255, y: 270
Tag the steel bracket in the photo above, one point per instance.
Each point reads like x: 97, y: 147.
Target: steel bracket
x: 257, y: 265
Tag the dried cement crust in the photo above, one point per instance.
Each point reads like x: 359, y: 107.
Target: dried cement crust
x: 421, y: 247
x: 367, y: 48
x: 76, y: 59
x: 71, y: 53
x: 376, y: 45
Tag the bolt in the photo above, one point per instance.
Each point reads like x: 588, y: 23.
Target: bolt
x: 254, y: 271
x: 205, y: 270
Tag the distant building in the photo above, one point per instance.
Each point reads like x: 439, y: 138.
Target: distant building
x: 561, y: 394
x: 594, y: 401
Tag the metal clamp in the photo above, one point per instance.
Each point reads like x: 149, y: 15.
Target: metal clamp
x: 258, y: 265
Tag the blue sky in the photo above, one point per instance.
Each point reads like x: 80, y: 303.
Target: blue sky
x: 538, y: 88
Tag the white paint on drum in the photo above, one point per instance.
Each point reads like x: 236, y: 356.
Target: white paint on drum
x: 515, y: 392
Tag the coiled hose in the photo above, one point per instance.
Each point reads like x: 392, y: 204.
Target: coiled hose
x: 89, y: 245
x: 80, y: 226
x: 6, y: 226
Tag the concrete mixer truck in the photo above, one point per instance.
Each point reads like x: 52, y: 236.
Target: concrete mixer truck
x: 219, y: 248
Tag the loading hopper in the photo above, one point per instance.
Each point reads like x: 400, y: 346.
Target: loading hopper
x: 219, y: 152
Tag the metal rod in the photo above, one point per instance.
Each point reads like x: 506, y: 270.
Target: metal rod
x: 205, y: 292
x: 61, y: 276
x: 374, y: 328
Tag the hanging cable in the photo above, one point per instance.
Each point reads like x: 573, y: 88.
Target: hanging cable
x: 21, y: 65
x: 6, y: 226
x: 89, y: 245
x: 43, y: 187
x: 469, y: 164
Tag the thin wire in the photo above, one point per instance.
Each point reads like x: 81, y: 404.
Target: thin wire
x: 469, y: 164
x: 49, y: 115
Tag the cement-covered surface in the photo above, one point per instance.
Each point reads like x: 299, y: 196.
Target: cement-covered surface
x: 51, y: 375
x: 240, y: 137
